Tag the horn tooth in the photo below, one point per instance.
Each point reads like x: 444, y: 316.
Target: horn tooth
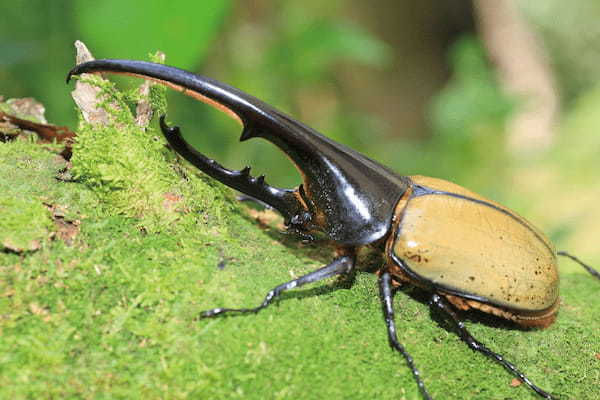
x: 245, y: 171
x: 247, y: 133
x: 260, y: 180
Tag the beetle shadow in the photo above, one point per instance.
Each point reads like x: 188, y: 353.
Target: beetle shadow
x: 368, y: 261
x: 316, y: 247
x: 472, y: 315
x: 320, y: 290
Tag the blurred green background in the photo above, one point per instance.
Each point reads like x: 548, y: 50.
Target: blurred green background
x: 410, y: 83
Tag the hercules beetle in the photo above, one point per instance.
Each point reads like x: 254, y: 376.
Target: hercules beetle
x: 468, y: 252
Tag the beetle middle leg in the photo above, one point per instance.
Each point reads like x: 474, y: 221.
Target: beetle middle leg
x: 385, y: 291
x: 442, y: 305
x: 341, y: 265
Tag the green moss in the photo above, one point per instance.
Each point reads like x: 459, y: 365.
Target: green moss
x: 5, y: 107
x: 158, y: 99
x: 114, y: 314
x: 131, y: 168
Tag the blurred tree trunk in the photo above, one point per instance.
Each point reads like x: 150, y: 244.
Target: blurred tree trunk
x: 524, y: 72
x: 420, y: 32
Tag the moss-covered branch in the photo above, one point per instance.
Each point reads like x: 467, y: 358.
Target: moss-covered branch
x: 109, y: 308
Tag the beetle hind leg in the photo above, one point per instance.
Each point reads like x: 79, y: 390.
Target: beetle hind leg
x: 386, y: 293
x: 341, y: 265
x: 446, y: 309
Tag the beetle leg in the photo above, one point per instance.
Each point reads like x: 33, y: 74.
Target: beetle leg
x: 292, y: 229
x: 442, y: 305
x: 283, y: 200
x: 341, y: 265
x: 385, y: 291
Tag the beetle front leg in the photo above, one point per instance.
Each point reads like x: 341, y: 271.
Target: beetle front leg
x: 385, y: 291
x: 341, y: 265
x: 442, y: 305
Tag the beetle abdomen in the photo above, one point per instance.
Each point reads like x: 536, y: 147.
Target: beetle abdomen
x: 468, y: 246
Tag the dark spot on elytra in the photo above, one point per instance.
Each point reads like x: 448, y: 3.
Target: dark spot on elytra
x: 415, y: 257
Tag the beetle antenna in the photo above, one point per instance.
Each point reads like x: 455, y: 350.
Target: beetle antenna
x: 578, y: 261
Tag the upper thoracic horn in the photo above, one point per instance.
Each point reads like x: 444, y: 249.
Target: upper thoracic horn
x: 348, y: 196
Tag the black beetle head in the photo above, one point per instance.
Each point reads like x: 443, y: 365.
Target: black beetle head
x: 344, y: 194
